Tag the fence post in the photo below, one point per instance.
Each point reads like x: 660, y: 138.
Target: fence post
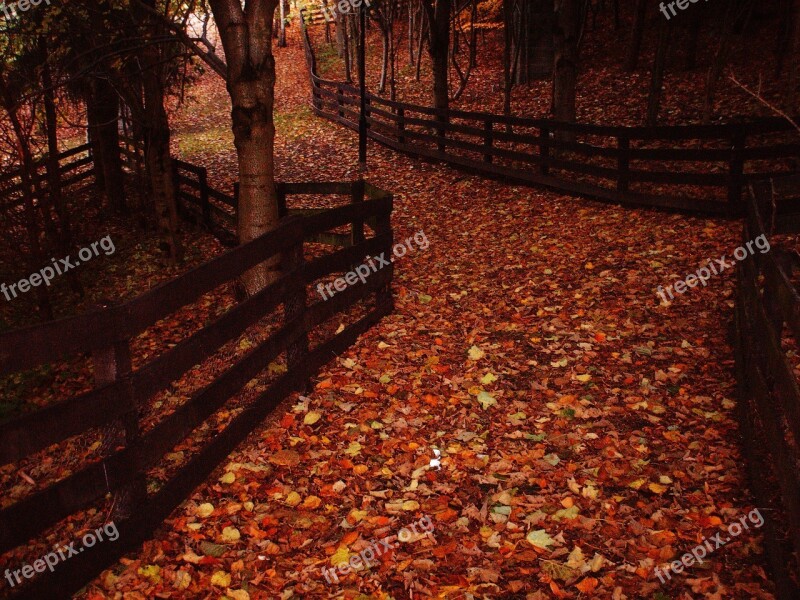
x: 623, y: 164
x: 488, y: 139
x: 339, y: 101
x: 544, y: 150
x: 736, y: 175
x: 401, y: 124
x: 280, y: 191
x: 444, y: 120
x: 357, y: 193
x: 296, y: 302
x: 204, y: 202
x: 383, y: 225
x: 113, y: 364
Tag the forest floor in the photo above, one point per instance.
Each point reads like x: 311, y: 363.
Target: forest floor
x: 586, y: 429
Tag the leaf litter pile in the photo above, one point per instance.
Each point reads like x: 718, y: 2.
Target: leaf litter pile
x: 585, y: 431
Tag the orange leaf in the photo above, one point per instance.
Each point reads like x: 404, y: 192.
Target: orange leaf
x: 349, y: 538
x: 588, y: 585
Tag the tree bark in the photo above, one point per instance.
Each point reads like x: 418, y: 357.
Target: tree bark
x: 565, y: 71
x: 156, y: 135
x: 792, y: 76
x: 282, y: 35
x: 635, y: 48
x: 247, y: 39
x: 439, y: 45
x: 107, y: 115
x: 657, y: 79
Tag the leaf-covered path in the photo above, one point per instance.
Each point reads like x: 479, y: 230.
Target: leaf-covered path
x: 586, y: 432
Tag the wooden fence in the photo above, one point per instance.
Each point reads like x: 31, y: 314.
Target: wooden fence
x: 121, y: 392
x: 73, y: 171
x: 690, y: 168
x: 767, y: 324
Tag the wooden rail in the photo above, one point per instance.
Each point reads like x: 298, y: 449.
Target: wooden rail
x: 690, y: 168
x: 767, y: 315
x: 71, y: 172
x: 121, y: 392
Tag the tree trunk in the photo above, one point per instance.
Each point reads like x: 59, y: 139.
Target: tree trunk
x: 156, y: 135
x: 107, y: 115
x: 565, y: 71
x: 93, y: 127
x: 635, y: 48
x: 657, y: 79
x: 282, y: 35
x: 439, y: 44
x: 247, y: 39
x: 736, y: 14
x: 792, y: 76
x: 384, y: 61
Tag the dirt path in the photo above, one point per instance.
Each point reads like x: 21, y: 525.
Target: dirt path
x: 529, y: 348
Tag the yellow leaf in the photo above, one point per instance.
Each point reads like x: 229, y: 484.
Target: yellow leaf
x: 410, y: 505
x: 182, y: 580
x: 311, y: 418
x: 583, y: 378
x: 230, y: 535
x: 636, y: 484
x: 342, y: 555
x: 486, y: 400
x: 476, y: 353
x: 540, y: 539
x: 205, y: 510
x: 312, y: 502
x: 228, y: 478
x: 657, y: 488
x: 221, y: 579
x: 152, y: 572
x: 357, y: 515
x: 293, y: 499
x: 353, y: 449
x: 488, y: 378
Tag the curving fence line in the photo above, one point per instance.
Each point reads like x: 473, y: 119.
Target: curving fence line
x: 119, y: 409
x: 696, y: 168
x: 766, y: 336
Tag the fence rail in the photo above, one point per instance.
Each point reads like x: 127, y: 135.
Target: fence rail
x: 121, y: 392
x: 697, y: 168
x: 767, y: 316
x: 71, y: 172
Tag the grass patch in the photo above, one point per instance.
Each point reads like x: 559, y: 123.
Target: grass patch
x: 328, y: 58
x: 291, y: 124
x: 200, y: 143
